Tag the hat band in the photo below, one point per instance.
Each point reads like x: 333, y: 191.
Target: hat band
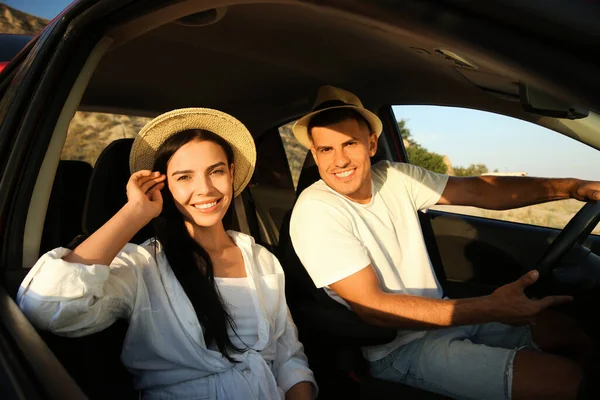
x: 332, y: 103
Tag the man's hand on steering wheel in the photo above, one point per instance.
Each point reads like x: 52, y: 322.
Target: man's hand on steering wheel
x: 511, y: 306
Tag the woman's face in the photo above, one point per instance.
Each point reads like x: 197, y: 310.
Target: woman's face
x: 201, y: 182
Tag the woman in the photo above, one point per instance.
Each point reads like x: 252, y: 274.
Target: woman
x: 206, y: 307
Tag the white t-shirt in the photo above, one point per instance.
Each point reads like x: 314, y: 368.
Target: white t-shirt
x: 335, y: 237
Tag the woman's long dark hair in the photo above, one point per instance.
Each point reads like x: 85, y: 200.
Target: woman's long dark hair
x: 191, y: 263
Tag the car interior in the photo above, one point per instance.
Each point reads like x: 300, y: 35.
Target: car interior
x: 263, y: 63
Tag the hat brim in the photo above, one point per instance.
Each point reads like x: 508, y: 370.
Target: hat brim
x: 300, y: 128
x: 154, y: 134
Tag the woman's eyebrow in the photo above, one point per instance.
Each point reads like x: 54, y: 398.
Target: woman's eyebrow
x: 187, y: 171
x: 219, y: 164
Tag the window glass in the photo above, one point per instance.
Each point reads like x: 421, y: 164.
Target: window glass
x: 295, y: 152
x: 464, y: 142
x: 90, y: 132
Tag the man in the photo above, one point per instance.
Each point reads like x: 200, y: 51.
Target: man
x: 358, y: 235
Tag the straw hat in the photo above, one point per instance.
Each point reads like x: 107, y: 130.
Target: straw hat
x: 145, y: 145
x: 329, y: 97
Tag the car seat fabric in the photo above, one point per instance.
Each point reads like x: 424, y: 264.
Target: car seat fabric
x: 94, y: 361
x: 65, y: 207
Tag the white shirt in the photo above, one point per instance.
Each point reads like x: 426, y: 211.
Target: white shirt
x: 335, y: 237
x: 164, y: 348
x: 237, y: 296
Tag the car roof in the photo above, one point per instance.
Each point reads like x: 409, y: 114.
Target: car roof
x: 263, y: 62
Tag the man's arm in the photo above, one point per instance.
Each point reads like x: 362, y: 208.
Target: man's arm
x: 507, y: 304
x: 506, y: 192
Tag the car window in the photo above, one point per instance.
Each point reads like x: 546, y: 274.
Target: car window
x: 464, y: 142
x: 272, y: 187
x: 90, y: 132
x: 295, y: 152
x: 271, y: 162
x: 88, y: 135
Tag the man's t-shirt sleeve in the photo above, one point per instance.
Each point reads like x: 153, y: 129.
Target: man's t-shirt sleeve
x: 323, y: 240
x: 424, y: 186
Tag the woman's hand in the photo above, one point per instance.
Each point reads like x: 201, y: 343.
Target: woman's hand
x: 143, y: 193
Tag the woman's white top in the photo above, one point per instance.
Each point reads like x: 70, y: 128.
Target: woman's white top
x: 237, y: 296
x: 164, y: 348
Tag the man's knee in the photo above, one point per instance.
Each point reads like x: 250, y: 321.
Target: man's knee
x: 545, y: 376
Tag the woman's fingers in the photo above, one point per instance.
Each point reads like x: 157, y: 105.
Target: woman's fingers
x: 142, y: 178
x: 149, y: 183
x: 140, y: 174
x: 154, y: 193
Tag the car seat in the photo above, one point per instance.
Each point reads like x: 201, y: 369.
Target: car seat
x: 332, y: 334
x: 94, y: 361
x: 65, y: 207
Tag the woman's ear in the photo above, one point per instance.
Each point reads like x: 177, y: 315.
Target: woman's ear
x: 231, y: 170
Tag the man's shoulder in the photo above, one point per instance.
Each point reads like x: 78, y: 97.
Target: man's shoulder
x: 318, y: 204
x: 384, y: 166
x: 391, y: 172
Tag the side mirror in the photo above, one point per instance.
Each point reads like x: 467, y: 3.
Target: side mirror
x: 537, y: 102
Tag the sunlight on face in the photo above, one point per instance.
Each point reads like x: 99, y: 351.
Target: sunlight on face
x: 342, y: 153
x: 201, y: 182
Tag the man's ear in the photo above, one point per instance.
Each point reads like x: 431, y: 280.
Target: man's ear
x: 372, y: 144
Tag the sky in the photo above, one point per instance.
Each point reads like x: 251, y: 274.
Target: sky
x: 465, y: 136
x: 40, y: 8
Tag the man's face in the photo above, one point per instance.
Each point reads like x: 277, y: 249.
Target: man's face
x: 342, y: 153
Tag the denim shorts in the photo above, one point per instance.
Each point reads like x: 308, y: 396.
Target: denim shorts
x: 465, y: 362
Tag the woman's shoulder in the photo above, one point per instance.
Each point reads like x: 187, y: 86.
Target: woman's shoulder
x: 143, y: 254
x: 150, y: 245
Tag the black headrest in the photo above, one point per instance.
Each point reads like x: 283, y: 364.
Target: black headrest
x: 65, y: 207
x: 75, y: 176
x: 107, y: 191
x: 308, y: 175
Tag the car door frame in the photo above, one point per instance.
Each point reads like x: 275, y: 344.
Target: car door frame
x: 444, y: 230
x: 34, y: 91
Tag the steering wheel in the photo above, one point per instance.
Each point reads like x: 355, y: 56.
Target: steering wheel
x: 576, y: 231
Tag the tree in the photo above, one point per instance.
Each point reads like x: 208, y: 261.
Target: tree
x: 418, y: 155
x: 471, y: 170
x: 405, y: 132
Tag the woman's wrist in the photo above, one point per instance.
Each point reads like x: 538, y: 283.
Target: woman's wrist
x: 135, y: 214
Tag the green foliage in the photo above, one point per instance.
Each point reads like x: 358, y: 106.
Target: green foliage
x: 417, y: 155
x: 471, y: 170
x: 405, y: 132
